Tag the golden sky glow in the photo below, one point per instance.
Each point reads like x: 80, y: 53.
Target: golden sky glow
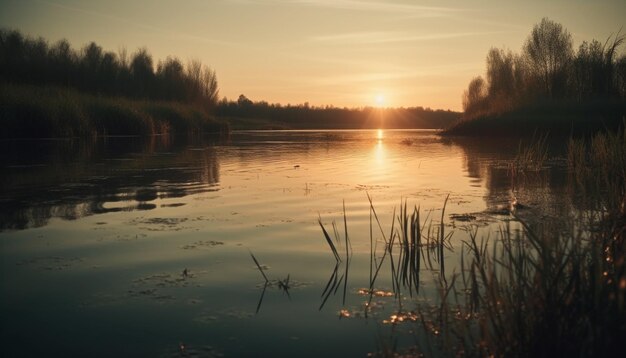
x: 340, y: 52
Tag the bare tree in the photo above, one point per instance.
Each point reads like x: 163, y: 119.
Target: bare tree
x: 209, y: 87
x: 548, y: 51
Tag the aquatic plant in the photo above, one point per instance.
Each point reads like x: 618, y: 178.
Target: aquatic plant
x: 556, y: 287
x: 597, y: 169
x: 533, y: 155
x: 259, y: 267
x: 335, y: 282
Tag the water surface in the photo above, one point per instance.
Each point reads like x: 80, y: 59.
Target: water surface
x: 96, y: 236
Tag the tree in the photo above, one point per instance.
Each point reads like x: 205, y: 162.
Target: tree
x: 210, y: 90
x: 475, y: 96
x: 91, y: 60
x: 62, y: 63
x: 244, y: 101
x: 548, y: 51
x: 171, y: 76
x: 141, y: 70
x: 500, y: 74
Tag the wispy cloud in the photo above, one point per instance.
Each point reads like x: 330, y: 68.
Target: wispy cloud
x: 403, y: 8
x: 397, y: 74
x: 375, y: 37
x: 381, y: 6
x: 136, y: 24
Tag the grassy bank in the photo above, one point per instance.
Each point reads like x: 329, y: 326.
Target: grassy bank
x: 562, y: 119
x: 28, y: 111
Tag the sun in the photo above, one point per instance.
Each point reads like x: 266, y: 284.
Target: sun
x: 380, y: 100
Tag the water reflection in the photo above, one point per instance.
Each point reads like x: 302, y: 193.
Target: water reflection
x: 380, y: 157
x: 74, y: 178
x: 546, y: 192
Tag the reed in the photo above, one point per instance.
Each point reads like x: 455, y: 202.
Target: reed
x: 556, y: 287
x: 53, y: 112
x: 597, y: 169
x: 335, y: 282
x: 259, y: 267
x: 533, y: 155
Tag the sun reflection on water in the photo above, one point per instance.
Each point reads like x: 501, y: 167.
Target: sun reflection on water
x: 380, y: 155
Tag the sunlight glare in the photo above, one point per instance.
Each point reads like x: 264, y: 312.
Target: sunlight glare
x: 379, y: 134
x: 380, y: 157
x: 380, y: 100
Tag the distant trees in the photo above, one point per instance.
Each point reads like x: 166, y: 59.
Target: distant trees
x: 93, y: 70
x: 306, y: 116
x: 547, y: 69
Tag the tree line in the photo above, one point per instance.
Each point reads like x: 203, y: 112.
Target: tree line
x: 306, y: 116
x: 26, y: 60
x: 548, y: 70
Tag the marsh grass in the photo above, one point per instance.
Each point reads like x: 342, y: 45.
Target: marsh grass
x: 256, y: 262
x: 51, y: 112
x: 550, y: 288
x: 335, y: 281
x: 597, y: 169
x: 531, y: 155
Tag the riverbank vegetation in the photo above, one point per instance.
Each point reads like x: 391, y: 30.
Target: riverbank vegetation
x: 533, y: 287
x: 30, y: 111
x: 551, y: 287
x: 53, y: 90
x: 247, y: 114
x: 548, y: 86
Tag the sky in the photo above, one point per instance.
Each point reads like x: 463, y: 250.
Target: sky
x: 350, y: 53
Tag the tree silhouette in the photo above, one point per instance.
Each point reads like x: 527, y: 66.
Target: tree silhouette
x: 548, y: 71
x: 32, y: 61
x: 474, y: 98
x: 549, y: 52
x: 142, y: 72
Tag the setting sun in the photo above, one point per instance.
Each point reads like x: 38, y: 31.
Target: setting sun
x: 380, y: 100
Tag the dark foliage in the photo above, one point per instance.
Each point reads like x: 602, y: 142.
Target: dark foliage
x: 34, y: 111
x: 550, y: 80
x: 25, y: 60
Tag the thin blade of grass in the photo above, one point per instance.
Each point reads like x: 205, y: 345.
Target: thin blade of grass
x: 259, y: 266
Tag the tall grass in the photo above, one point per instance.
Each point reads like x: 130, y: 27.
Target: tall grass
x: 598, y: 170
x: 531, y: 156
x: 45, y: 112
x: 556, y: 288
x: 552, y: 288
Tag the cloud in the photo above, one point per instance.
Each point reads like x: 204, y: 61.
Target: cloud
x: 402, y: 8
x: 379, y: 37
x: 138, y: 25
x: 380, y: 6
x: 397, y: 74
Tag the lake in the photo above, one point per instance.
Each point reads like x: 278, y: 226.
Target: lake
x: 142, y: 246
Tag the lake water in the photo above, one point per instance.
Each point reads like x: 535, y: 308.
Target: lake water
x: 96, y: 236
